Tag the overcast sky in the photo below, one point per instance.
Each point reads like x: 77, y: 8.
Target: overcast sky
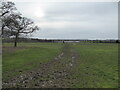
x: 72, y: 20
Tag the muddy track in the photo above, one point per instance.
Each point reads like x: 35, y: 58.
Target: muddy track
x: 54, y: 74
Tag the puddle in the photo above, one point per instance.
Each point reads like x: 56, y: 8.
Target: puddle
x: 59, y: 56
x: 73, y: 57
x: 71, y: 64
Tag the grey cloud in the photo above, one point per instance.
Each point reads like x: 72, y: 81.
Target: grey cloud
x: 75, y: 20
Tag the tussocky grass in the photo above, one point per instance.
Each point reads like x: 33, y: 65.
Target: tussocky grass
x: 98, y: 65
x: 27, y: 56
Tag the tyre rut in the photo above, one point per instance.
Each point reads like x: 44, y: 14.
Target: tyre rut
x: 54, y: 74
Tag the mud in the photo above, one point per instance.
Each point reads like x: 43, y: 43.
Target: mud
x: 54, y: 74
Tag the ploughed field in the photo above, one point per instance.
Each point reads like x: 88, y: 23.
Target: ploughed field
x: 60, y: 65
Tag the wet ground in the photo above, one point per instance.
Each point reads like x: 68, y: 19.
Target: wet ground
x: 54, y: 74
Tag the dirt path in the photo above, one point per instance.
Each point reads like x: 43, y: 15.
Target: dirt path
x: 56, y: 73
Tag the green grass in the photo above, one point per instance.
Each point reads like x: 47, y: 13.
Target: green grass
x: 98, y: 65
x: 27, y: 58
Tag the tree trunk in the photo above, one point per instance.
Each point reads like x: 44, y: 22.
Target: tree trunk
x: 16, y: 39
x: 2, y: 32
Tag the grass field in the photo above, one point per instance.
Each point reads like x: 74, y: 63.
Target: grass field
x: 98, y: 65
x: 26, y: 57
x: 83, y: 65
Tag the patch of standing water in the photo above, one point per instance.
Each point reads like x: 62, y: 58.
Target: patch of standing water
x: 59, y: 56
x: 71, y: 64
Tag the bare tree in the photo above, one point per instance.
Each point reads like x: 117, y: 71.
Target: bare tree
x: 13, y: 24
x: 21, y: 25
x: 6, y: 8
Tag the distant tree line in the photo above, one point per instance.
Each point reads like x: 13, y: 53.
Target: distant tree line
x: 13, y: 23
x: 61, y: 41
